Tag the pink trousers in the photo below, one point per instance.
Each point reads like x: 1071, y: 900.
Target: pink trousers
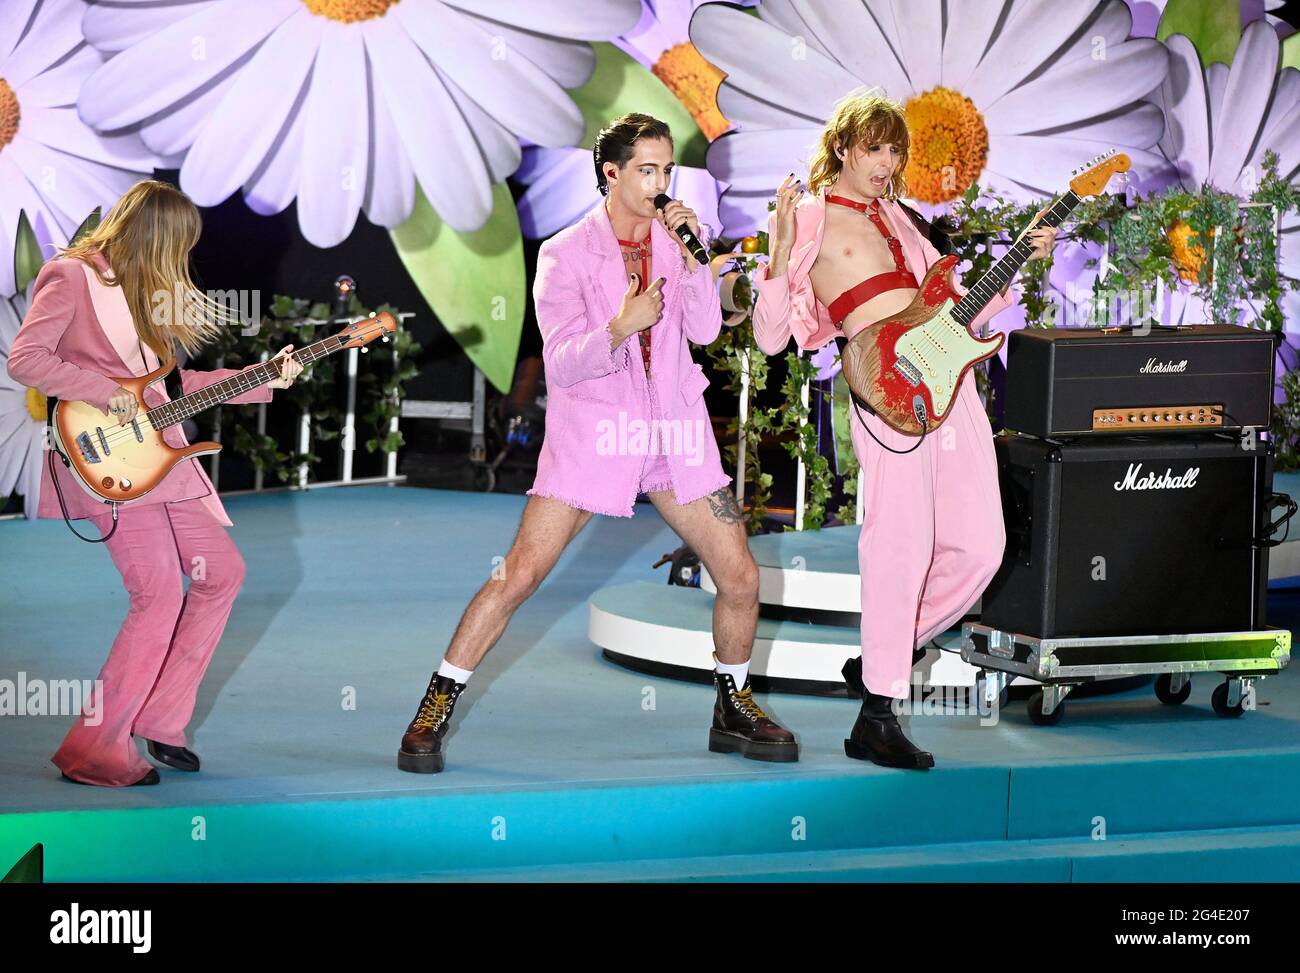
x: 152, y: 675
x: 932, y: 534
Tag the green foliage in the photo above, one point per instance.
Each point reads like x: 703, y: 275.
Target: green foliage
x: 298, y: 322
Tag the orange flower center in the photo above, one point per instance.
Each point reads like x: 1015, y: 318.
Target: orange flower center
x: 9, y: 113
x: 37, y: 405
x: 1187, y: 259
x: 695, y: 82
x: 349, y: 11
x: 950, y: 145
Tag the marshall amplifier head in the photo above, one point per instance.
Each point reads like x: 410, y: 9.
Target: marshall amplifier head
x: 1064, y: 382
x: 1132, y: 536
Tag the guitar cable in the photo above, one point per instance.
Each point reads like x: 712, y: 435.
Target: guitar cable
x: 900, y: 452
x: 58, y: 490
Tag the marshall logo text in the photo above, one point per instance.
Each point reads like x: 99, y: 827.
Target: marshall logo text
x: 1166, y: 481
x: 1153, y: 367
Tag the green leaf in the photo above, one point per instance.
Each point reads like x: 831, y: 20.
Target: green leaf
x: 620, y: 84
x: 474, y: 282
x: 87, y: 225
x: 1213, y: 27
x: 1291, y: 52
x: 27, y: 254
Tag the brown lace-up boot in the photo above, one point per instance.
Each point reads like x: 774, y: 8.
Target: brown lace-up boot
x: 421, y: 750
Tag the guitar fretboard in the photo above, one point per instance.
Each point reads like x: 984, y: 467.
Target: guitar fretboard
x: 1001, y: 273
x: 178, y: 410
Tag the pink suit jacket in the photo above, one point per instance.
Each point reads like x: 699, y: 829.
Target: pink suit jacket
x: 76, y: 334
x: 595, y: 395
x: 786, y: 305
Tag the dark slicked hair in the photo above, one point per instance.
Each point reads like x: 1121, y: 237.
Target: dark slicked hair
x: 616, y: 141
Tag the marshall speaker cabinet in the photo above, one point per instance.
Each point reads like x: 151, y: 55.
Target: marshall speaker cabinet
x: 1091, y: 381
x: 1128, y: 535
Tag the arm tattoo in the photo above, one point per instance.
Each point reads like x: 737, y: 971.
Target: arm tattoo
x: 723, y: 503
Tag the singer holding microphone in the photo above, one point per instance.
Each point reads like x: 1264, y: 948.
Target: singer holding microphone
x: 619, y: 297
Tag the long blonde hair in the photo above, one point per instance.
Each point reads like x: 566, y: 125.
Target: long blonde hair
x: 860, y: 118
x: 146, y: 238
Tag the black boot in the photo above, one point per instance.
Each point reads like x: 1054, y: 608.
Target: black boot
x: 878, y: 737
x: 852, y: 672
x: 421, y: 750
x: 740, y: 726
x: 149, y: 778
x: 177, y: 757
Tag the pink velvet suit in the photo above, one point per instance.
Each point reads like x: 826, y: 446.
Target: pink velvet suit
x: 76, y: 335
x: 932, y: 533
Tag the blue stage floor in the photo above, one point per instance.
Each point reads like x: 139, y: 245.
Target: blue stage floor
x: 556, y: 768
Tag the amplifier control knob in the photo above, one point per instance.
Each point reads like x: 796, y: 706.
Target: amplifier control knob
x: 1168, y: 417
x: 1130, y: 417
x: 1144, y: 417
x: 1179, y: 417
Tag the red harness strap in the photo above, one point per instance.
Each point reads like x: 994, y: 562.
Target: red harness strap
x: 860, y: 293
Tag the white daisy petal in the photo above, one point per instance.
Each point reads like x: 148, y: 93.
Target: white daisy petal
x: 747, y: 158
x: 579, y: 19
x: 14, y: 15
x: 970, y: 28
x: 60, y: 128
x: 1098, y: 36
x: 73, y: 186
x: 783, y: 15
x: 501, y: 150
x: 434, y: 134
x: 390, y: 197
x: 1031, y: 34
x: 337, y: 137
x: 59, y: 85
x: 1285, y: 97
x: 743, y: 110
x: 1186, y: 141
x: 275, y: 183
x: 54, y: 33
x: 512, y: 90
x: 857, y: 38
x: 253, y: 113
x: 175, y: 129
x: 564, y: 190
x: 1249, y: 89
x: 569, y: 62
x: 1132, y: 70
x: 197, y: 49
x: 1045, y: 162
x: 113, y: 29
x: 746, y: 49
x: 919, y: 28
x: 1216, y: 82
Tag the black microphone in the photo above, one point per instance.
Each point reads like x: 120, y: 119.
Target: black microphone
x: 692, y: 242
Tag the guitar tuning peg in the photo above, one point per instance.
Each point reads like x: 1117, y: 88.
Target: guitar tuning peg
x: 365, y: 349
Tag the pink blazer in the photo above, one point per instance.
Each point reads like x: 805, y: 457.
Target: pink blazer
x: 786, y: 306
x: 596, y: 397
x: 76, y: 336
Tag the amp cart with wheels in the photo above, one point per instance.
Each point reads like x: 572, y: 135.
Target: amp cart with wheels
x: 1060, y: 664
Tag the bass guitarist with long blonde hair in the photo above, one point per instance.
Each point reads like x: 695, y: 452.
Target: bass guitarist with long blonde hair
x: 106, y: 307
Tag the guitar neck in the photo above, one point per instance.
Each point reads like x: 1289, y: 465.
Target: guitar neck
x: 178, y: 410
x: 1001, y: 273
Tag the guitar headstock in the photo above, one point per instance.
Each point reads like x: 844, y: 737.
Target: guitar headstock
x: 366, y: 330
x: 1091, y: 178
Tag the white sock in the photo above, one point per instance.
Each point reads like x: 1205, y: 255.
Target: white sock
x: 454, y: 673
x: 739, y: 673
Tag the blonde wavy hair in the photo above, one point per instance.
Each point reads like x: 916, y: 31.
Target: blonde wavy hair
x: 146, y: 237
x: 863, y: 117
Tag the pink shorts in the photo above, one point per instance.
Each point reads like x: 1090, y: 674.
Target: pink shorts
x: 655, y: 475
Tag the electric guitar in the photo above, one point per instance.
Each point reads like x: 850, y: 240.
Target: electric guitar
x: 121, y: 463
x: 908, y: 368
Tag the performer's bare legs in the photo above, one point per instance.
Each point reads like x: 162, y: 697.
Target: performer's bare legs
x: 712, y: 526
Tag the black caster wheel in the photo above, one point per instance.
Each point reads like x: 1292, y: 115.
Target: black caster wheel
x: 981, y: 678
x: 1220, y: 702
x: 1038, y: 717
x: 1168, y: 696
